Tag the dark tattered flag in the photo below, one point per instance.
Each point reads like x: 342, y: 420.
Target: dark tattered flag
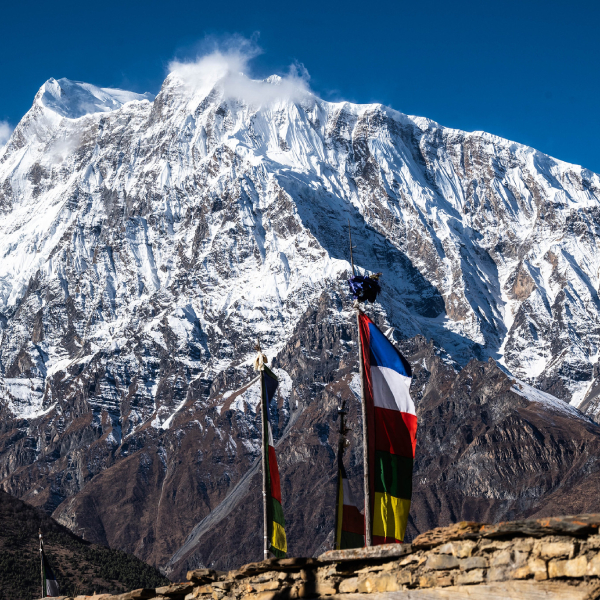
x: 50, y: 583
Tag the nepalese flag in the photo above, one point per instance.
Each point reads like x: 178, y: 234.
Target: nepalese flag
x: 350, y: 528
x: 275, y: 520
x: 392, y: 433
x: 49, y: 581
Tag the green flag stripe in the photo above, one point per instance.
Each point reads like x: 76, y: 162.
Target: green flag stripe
x: 351, y: 540
x: 278, y: 553
x: 393, y: 474
x: 277, y: 512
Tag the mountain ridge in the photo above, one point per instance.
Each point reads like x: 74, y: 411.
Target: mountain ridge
x: 143, y: 250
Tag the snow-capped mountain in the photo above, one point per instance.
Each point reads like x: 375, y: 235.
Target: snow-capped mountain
x: 488, y: 246
x: 146, y: 243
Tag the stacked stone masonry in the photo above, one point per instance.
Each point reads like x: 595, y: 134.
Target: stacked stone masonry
x: 534, y: 559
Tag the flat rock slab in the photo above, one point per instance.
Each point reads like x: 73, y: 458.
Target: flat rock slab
x: 373, y: 552
x: 440, y: 535
x: 579, y: 525
x: 277, y: 564
x: 515, y: 590
x: 576, y: 525
x: 175, y: 589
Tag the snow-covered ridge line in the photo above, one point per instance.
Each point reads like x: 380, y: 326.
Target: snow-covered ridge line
x: 75, y: 99
x: 213, y: 214
x: 534, y: 395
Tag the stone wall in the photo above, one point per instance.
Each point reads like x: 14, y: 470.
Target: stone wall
x: 544, y: 558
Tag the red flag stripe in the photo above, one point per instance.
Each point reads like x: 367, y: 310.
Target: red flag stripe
x: 395, y: 432
x: 274, y: 472
x: 379, y: 539
x: 353, y: 520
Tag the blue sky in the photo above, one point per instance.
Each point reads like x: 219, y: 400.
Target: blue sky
x: 525, y: 70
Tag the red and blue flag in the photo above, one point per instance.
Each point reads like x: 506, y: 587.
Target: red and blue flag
x: 392, y: 433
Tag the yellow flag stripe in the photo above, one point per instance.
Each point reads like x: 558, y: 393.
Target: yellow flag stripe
x: 279, y: 540
x: 390, y: 515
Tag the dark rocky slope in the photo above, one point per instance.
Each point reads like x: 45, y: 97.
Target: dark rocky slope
x: 486, y: 452
x: 80, y: 567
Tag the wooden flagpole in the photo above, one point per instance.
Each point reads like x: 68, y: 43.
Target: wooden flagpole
x: 366, y: 470
x: 264, y: 464
x: 341, y: 445
x: 365, y: 437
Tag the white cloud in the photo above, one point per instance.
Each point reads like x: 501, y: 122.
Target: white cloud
x: 5, y: 132
x: 227, y: 62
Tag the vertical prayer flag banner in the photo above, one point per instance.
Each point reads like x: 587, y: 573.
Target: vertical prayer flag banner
x: 392, y: 433
x: 49, y: 582
x: 350, y: 528
x: 275, y: 520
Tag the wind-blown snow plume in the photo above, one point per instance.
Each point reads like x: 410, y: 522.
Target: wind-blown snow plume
x: 5, y: 132
x: 228, y: 63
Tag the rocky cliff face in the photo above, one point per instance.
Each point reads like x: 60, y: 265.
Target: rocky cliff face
x: 145, y: 244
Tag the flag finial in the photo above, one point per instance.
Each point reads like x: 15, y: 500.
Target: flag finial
x: 364, y: 288
x: 261, y: 360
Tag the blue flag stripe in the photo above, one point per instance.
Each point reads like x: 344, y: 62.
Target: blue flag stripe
x: 383, y: 354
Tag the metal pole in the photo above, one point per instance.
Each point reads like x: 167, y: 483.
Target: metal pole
x: 365, y: 438
x: 265, y: 440
x: 42, y: 562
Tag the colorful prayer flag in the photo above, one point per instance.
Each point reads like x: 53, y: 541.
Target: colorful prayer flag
x: 275, y: 520
x: 392, y: 433
x: 350, y: 528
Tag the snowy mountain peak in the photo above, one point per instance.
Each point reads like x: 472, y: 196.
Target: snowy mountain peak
x: 75, y: 99
x: 485, y: 245
x: 205, y: 81
x: 274, y: 80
